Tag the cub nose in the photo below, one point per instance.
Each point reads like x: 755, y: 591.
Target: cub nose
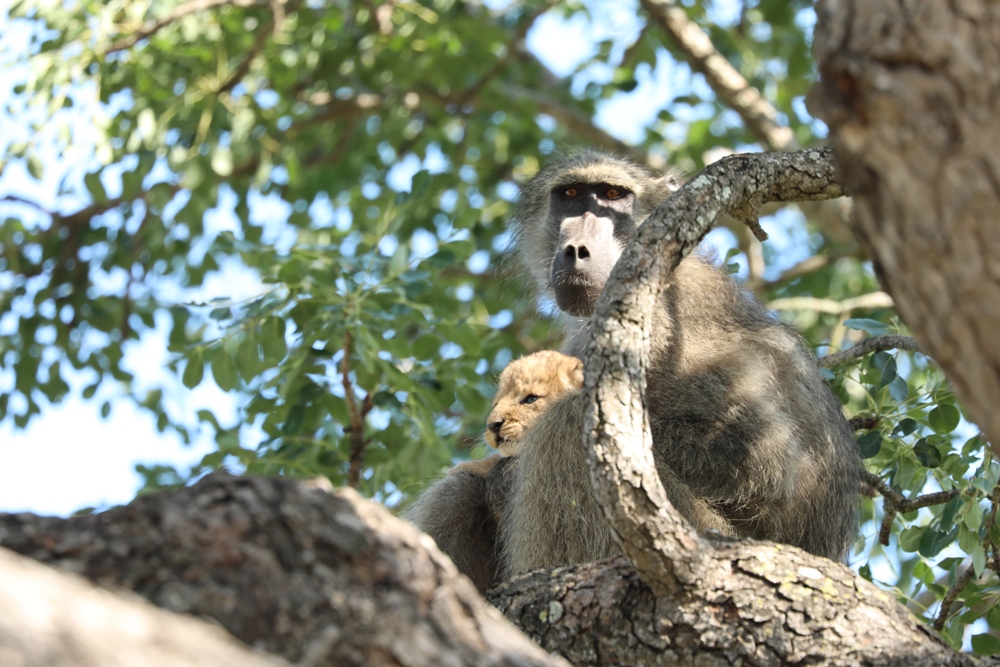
x: 495, y: 426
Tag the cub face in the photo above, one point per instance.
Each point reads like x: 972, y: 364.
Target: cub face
x: 527, y: 386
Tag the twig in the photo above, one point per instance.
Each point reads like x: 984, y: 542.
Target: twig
x: 869, y: 345
x: 951, y: 595
x: 152, y: 27
x: 949, y: 599
x: 357, y: 416
x: 865, y: 301
x: 512, y: 46
x: 895, y: 503
x: 255, y: 48
x: 805, y: 267
x: 699, y: 52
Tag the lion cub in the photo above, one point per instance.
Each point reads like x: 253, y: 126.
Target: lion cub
x: 527, y: 386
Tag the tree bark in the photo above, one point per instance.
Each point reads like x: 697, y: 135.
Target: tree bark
x: 767, y: 604
x: 315, y: 577
x: 55, y: 619
x: 910, y: 90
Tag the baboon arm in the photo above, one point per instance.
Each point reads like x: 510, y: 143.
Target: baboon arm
x: 454, y: 511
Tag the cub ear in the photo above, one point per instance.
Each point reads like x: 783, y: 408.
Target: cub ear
x: 575, y: 374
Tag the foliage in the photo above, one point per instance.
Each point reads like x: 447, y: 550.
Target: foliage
x: 355, y: 161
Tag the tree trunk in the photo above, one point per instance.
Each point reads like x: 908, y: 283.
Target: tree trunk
x: 911, y: 92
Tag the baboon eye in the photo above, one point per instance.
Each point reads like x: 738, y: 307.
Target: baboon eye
x: 614, y: 193
x: 570, y: 193
x: 529, y: 399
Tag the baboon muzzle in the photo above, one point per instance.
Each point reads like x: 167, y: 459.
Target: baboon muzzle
x: 585, y: 255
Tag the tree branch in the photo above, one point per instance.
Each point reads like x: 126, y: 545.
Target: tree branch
x: 699, y: 52
x: 152, y: 27
x: 664, y: 548
x: 895, y: 503
x: 318, y: 578
x: 357, y: 416
x: 865, y: 301
x: 869, y: 345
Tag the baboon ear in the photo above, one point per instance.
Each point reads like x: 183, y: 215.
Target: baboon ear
x: 668, y: 183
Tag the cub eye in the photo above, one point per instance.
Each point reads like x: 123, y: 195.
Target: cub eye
x: 570, y: 193
x: 529, y: 399
x: 614, y: 193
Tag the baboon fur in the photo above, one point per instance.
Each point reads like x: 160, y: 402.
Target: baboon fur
x: 747, y: 438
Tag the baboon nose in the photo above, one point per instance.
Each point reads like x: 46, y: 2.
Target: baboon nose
x: 495, y: 426
x: 573, y: 253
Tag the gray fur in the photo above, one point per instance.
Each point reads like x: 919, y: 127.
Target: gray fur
x: 747, y: 438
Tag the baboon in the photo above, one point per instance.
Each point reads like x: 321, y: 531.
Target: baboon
x: 747, y: 438
x: 461, y: 511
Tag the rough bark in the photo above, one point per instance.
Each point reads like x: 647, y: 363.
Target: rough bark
x: 315, y: 577
x: 910, y: 90
x: 55, y: 619
x: 769, y: 604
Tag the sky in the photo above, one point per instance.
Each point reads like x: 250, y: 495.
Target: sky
x: 70, y: 458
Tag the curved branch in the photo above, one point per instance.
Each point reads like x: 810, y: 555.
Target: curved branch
x: 664, y: 548
x: 869, y: 345
x: 699, y: 52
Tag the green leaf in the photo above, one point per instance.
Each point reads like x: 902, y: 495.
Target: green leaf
x: 979, y: 560
x: 932, y: 542
x: 272, y: 340
x: 944, y: 418
x: 194, y: 370
x: 874, y: 327
x: 224, y: 370
x: 909, y: 539
x: 967, y: 540
x: 870, y: 444
x: 985, y: 644
x: 105, y: 409
x: 899, y: 390
x: 927, y: 454
x: 95, y: 187
x: 974, y: 515
x: 905, y: 427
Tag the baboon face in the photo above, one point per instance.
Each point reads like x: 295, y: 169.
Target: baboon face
x: 594, y: 220
x: 574, y: 219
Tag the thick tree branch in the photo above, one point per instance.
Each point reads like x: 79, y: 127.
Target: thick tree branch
x: 321, y: 579
x: 57, y: 619
x: 664, y: 548
x: 869, y: 345
x: 758, y: 114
